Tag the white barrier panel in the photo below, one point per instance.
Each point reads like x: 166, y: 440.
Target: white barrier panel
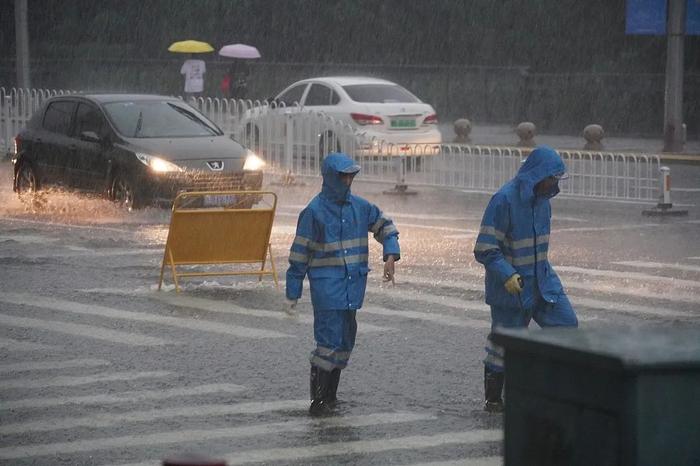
x: 293, y: 140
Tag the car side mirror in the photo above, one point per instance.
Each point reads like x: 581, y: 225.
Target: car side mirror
x: 90, y: 136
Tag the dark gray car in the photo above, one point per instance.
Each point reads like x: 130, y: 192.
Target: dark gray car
x: 134, y: 149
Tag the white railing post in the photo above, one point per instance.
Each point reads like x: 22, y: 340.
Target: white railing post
x: 6, y: 125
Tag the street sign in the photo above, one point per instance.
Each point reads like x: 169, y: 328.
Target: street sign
x: 648, y: 17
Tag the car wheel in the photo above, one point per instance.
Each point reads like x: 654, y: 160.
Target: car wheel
x: 27, y: 187
x: 26, y: 180
x: 124, y: 193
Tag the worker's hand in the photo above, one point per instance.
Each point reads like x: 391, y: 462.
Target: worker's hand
x: 514, y: 285
x: 389, y: 269
x: 291, y: 307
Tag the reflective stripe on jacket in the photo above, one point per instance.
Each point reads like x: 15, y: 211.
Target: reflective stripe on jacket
x: 331, y: 243
x: 514, y: 234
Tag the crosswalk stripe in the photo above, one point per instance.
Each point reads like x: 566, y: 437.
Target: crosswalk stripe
x: 180, y: 436
x: 102, y: 311
x: 363, y: 446
x: 10, y: 344
x: 675, y: 282
x: 482, y: 461
x: 227, y: 307
x: 49, y: 365
x: 122, y: 397
x: 660, y: 265
x: 603, y: 287
x: 112, y: 419
x: 452, y: 321
x: 81, y: 330
x: 85, y: 252
x: 67, y: 381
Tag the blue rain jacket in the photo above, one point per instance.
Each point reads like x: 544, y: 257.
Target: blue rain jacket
x: 514, y: 234
x: 331, y: 242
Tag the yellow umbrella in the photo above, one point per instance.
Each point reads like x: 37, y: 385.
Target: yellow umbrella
x: 190, y: 46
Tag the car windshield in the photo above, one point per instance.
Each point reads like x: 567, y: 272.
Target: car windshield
x: 153, y: 119
x: 379, y: 93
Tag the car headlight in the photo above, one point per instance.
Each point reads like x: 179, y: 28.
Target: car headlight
x: 253, y: 162
x: 157, y: 164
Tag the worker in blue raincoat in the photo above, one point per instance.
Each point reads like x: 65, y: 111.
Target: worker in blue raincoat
x: 331, y: 248
x: 512, y: 244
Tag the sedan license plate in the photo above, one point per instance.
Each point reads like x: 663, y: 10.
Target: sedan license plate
x: 403, y: 123
x: 220, y: 200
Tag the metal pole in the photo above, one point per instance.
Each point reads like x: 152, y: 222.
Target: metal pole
x: 22, y: 40
x: 673, y: 95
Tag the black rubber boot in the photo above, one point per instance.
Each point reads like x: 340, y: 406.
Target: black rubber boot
x: 320, y: 385
x: 493, y: 387
x: 333, y: 387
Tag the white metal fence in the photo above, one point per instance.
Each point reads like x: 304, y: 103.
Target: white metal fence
x: 294, y: 141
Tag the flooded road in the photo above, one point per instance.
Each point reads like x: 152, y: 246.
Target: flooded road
x: 98, y: 367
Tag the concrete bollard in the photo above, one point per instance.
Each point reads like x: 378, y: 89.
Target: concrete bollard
x: 462, y: 129
x: 526, y: 132
x: 664, y: 208
x: 593, y: 134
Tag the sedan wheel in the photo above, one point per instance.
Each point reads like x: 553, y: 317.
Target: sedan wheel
x: 26, y: 179
x: 124, y: 194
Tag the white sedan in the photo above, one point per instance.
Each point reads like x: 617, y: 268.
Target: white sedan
x: 384, y: 117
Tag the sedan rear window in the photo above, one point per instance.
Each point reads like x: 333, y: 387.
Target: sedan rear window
x: 379, y: 93
x: 158, y: 120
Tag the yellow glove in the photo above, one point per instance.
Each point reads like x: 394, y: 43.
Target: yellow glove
x: 514, y: 284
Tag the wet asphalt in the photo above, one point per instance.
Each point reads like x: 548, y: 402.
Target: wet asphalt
x: 98, y: 367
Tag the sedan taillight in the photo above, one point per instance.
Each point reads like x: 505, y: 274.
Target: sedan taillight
x: 362, y: 119
x: 431, y: 120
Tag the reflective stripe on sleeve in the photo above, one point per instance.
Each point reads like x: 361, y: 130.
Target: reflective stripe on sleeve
x: 484, y: 247
x: 298, y: 257
x: 487, y: 230
x: 301, y: 241
x: 378, y: 224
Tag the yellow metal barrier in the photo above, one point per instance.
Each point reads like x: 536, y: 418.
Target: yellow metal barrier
x: 220, y: 235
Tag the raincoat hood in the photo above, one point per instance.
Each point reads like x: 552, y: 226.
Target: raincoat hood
x: 540, y: 164
x: 333, y: 187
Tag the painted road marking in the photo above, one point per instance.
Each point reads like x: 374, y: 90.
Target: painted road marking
x: 363, y: 446
x: 20, y: 345
x: 102, y: 311
x: 28, y: 239
x: 676, y: 282
x: 76, y: 251
x: 660, y: 265
x: 596, y: 304
x: 482, y: 461
x: 605, y: 287
x: 122, y: 397
x: 49, y: 365
x: 113, y: 419
x: 81, y: 330
x: 67, y: 381
x: 452, y: 321
x: 184, y: 436
x: 225, y: 307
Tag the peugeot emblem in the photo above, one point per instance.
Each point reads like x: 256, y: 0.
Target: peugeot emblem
x: 216, y: 165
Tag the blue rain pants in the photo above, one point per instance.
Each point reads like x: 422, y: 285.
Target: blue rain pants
x: 334, y: 332
x: 545, y: 314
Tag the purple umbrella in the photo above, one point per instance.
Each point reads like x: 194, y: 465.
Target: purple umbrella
x: 239, y: 51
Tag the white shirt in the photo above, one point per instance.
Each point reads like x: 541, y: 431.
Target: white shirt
x: 194, y: 75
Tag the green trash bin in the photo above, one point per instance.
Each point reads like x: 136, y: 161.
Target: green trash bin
x: 597, y: 397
